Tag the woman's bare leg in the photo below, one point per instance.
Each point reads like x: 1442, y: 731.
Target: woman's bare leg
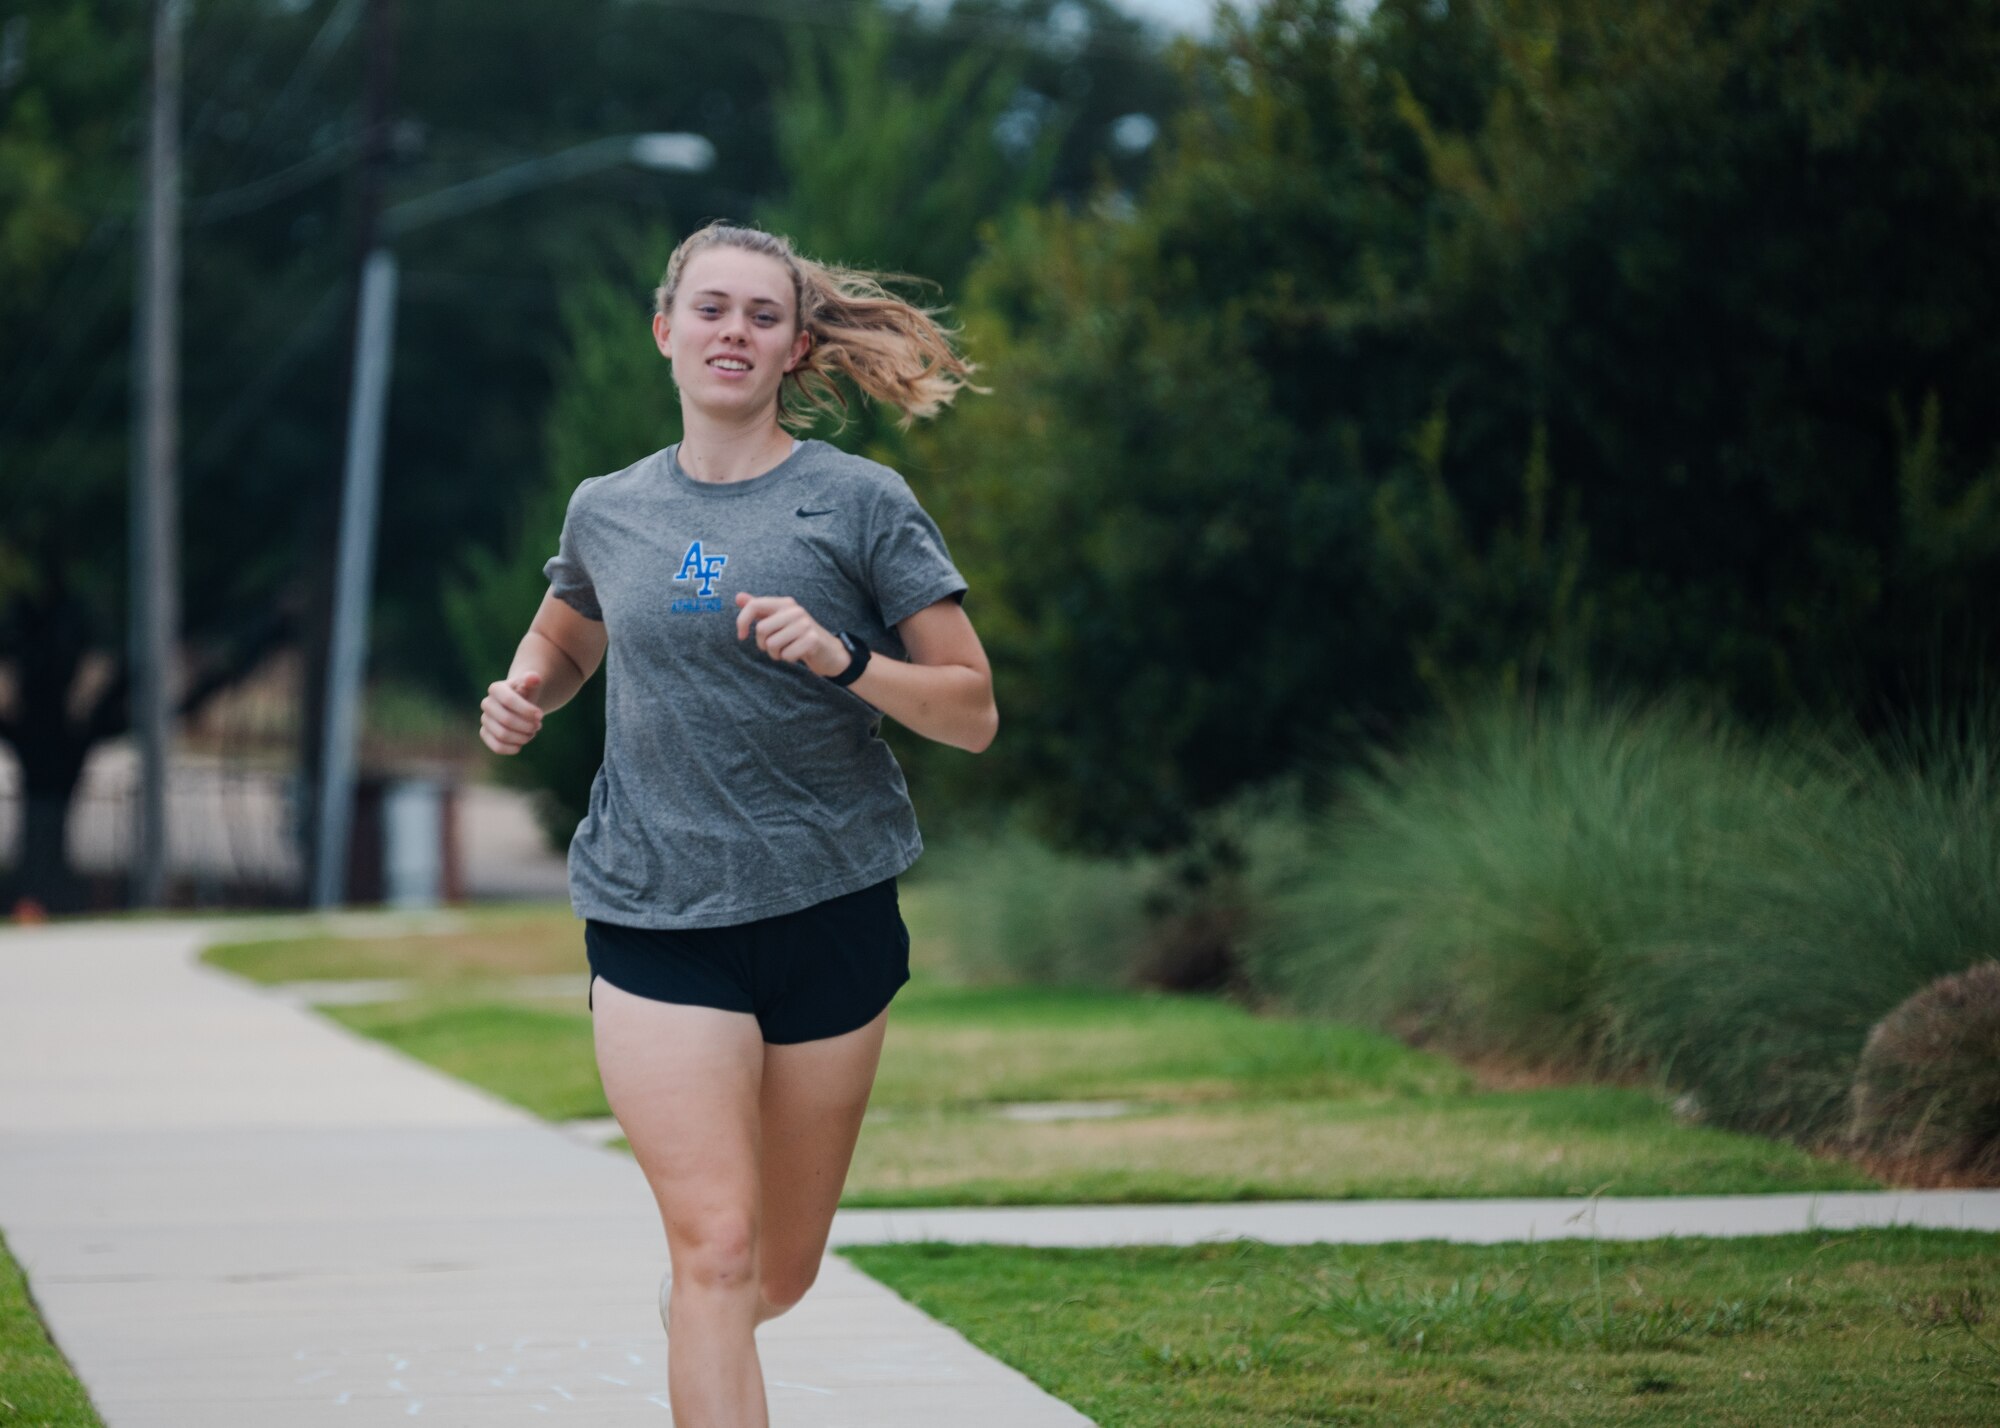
x: 683, y: 1082
x: 814, y: 1094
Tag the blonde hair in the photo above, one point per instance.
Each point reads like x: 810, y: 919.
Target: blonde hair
x: 891, y: 349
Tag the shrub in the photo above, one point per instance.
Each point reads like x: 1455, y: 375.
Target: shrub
x: 1489, y: 886
x: 1207, y: 896
x: 1878, y: 875
x: 1610, y: 887
x: 1927, y: 1092
x: 1587, y: 886
x: 1018, y: 911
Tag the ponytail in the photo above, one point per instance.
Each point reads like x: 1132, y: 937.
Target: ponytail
x: 892, y: 350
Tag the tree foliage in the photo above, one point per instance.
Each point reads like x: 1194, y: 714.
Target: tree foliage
x: 1518, y: 339
x: 614, y: 403
x: 271, y: 140
x: 891, y: 171
x: 888, y: 163
x: 65, y: 206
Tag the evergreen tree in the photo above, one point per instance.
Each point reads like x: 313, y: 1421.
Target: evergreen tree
x: 1542, y: 339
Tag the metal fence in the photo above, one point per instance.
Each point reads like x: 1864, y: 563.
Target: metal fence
x: 422, y: 833
x: 230, y: 825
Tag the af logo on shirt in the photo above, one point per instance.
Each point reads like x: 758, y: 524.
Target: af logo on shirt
x: 700, y: 570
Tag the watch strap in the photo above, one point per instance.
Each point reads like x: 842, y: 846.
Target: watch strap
x: 858, y: 653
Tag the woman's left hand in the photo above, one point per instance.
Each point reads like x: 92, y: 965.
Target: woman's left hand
x: 787, y: 632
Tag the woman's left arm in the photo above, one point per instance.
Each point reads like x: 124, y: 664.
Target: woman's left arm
x: 944, y: 691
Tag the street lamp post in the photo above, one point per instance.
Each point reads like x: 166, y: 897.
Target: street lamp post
x: 155, y: 514
x: 361, y: 480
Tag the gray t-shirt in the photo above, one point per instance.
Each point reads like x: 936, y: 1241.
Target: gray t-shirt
x: 735, y: 786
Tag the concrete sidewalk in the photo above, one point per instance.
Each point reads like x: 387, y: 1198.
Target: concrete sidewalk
x: 1303, y: 1222
x: 235, y: 1214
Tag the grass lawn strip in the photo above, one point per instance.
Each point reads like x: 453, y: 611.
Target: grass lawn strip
x: 1866, y: 1328
x: 1235, y: 1106
x: 953, y: 1045
x: 1538, y: 1143
x: 917, y: 1152
x: 960, y: 1047
x: 498, y: 942
x: 36, y: 1385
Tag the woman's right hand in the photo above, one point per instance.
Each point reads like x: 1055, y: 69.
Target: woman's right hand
x: 508, y: 715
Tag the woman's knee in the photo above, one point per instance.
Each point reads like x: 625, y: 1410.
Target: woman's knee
x: 717, y: 1251
x: 785, y: 1285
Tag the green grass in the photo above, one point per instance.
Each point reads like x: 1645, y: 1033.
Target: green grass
x: 1571, y: 1141
x: 1862, y: 1329
x: 535, y: 1057
x: 1234, y: 1106
x: 952, y: 1047
x: 962, y: 1045
x: 37, y: 1389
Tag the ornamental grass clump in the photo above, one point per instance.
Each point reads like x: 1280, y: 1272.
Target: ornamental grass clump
x: 1926, y: 1098
x: 1883, y: 877
x: 1491, y: 886
x: 1649, y: 891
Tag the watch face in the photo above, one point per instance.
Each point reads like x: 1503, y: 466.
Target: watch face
x: 847, y: 641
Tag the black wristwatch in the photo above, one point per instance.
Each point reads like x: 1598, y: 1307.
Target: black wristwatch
x: 859, y: 661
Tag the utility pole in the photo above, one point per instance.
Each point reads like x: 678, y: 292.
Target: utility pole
x: 374, y: 356
x: 377, y: 89
x: 155, y: 527
x: 360, y: 493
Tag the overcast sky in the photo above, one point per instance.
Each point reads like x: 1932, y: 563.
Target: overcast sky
x: 1185, y: 16
x: 1189, y: 15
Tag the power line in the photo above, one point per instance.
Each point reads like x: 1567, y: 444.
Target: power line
x: 339, y: 24
x: 84, y: 295
x: 335, y: 29
x: 244, y: 195
x: 319, y: 50
x: 81, y: 306
x: 247, y: 198
x: 254, y: 397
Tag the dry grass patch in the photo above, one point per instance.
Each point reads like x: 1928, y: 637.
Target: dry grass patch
x: 1569, y: 1142
x: 499, y: 942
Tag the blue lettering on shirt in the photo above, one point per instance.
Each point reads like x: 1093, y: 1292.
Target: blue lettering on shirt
x: 703, y: 568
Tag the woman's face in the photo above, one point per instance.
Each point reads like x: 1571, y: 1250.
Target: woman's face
x: 733, y: 332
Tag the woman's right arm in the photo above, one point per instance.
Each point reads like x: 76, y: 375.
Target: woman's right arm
x: 561, y: 650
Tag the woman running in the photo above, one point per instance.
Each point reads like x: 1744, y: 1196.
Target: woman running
x: 762, y: 602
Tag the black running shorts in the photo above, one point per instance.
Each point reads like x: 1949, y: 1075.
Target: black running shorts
x: 817, y: 972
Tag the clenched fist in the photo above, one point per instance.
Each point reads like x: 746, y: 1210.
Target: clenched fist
x: 787, y: 632
x: 508, y: 715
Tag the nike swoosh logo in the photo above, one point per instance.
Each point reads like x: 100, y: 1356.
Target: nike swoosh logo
x: 827, y: 512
